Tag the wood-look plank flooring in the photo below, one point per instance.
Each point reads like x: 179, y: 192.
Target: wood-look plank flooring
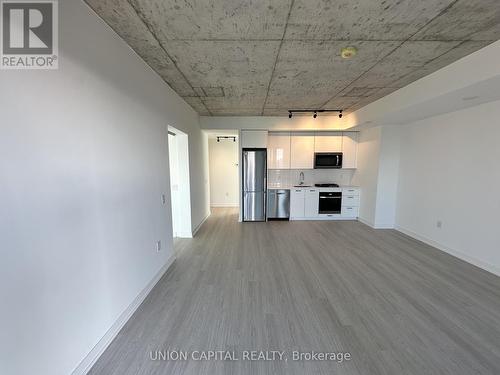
x: 396, y: 305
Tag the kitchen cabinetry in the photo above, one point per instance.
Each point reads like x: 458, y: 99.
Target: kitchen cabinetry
x: 297, y: 203
x: 328, y: 142
x: 278, y: 150
x: 253, y: 139
x: 302, y: 150
x: 311, y: 202
x: 304, y: 204
x: 350, y: 203
x: 349, y: 149
x: 296, y: 150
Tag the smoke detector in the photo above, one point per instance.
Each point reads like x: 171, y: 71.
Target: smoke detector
x: 348, y: 52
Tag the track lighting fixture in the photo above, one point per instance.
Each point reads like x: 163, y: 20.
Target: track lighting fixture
x: 225, y: 137
x: 313, y: 111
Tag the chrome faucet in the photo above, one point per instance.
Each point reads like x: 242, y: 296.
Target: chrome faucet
x: 301, y: 178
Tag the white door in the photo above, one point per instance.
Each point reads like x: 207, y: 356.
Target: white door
x: 297, y: 203
x: 278, y: 150
x: 311, y: 203
x: 302, y: 151
x: 349, y: 149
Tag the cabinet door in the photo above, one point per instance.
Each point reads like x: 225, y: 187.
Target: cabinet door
x: 253, y: 139
x: 311, y: 202
x: 349, y: 149
x: 349, y: 212
x: 302, y: 151
x: 328, y: 142
x: 278, y: 151
x: 297, y: 203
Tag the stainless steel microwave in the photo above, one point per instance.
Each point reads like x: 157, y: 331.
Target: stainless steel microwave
x: 327, y: 160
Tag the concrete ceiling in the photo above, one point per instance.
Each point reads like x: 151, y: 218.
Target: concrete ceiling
x: 249, y: 57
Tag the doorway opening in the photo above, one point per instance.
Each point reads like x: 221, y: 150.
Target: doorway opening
x: 223, y: 150
x: 180, y: 197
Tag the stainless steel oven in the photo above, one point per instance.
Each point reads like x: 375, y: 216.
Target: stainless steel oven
x: 330, y: 202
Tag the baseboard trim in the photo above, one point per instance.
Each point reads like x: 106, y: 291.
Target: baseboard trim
x: 474, y: 261
x: 224, y: 205
x: 366, y: 222
x: 92, y: 357
x: 200, y: 225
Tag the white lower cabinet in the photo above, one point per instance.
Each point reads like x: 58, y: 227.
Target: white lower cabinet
x: 311, y: 203
x: 349, y: 212
x: 304, y: 205
x: 297, y: 203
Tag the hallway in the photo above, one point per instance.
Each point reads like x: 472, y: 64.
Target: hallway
x: 395, y: 304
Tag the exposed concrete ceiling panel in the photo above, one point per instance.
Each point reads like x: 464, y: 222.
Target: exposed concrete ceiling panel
x: 197, y: 104
x: 402, y: 61
x: 215, y: 19
x: 296, y: 84
x: 465, y: 20
x: 361, y: 19
x: 122, y: 18
x: 246, y: 57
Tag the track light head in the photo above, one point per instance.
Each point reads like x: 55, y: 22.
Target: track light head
x: 315, y: 114
x: 340, y: 114
x: 290, y: 114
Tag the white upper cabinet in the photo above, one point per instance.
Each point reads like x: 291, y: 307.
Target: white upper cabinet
x: 328, y: 142
x: 278, y: 150
x: 302, y: 150
x: 349, y: 149
x: 253, y: 139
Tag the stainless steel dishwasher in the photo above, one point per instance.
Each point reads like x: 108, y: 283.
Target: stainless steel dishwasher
x: 278, y: 204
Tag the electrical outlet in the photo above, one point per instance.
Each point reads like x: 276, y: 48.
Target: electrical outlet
x: 439, y: 224
x: 163, y: 199
x: 158, y: 246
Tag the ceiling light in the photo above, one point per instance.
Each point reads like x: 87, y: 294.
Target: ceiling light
x: 313, y: 111
x: 348, y: 52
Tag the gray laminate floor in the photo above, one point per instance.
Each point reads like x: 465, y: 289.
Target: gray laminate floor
x: 396, y: 305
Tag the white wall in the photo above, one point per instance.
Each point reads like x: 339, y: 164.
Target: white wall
x: 83, y: 165
x: 449, y: 172
x: 377, y: 175
x: 366, y: 175
x: 323, y: 122
x: 388, y: 177
x: 223, y: 158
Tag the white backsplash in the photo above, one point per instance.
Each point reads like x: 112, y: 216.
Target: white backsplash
x: 288, y: 177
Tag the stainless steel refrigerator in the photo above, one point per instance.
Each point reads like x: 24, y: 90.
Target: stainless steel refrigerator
x: 254, y: 184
